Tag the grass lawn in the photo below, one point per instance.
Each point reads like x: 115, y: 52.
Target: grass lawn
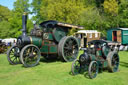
x: 58, y: 73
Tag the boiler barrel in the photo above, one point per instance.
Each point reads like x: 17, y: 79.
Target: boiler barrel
x: 36, y: 41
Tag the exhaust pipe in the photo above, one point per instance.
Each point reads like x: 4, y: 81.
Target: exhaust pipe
x: 24, y: 24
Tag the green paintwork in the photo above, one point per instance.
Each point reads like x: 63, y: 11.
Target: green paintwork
x: 44, y: 49
x: 36, y: 41
x: 47, y: 36
x: 99, y: 63
x: 46, y: 42
x: 53, y: 49
x: 79, y: 41
x: 58, y: 33
x: 124, y: 36
x: 105, y: 64
x: 50, y: 36
x: 98, y: 53
x: 93, y: 57
x: 106, y: 50
x: 109, y: 34
x: 48, y: 49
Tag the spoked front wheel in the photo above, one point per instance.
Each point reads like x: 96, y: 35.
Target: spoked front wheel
x: 93, y: 69
x: 13, y: 55
x: 30, y: 56
x: 75, y: 67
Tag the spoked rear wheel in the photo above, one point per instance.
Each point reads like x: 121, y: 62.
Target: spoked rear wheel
x: 30, y: 56
x: 93, y: 69
x: 68, y: 48
x: 113, y: 62
x: 13, y: 55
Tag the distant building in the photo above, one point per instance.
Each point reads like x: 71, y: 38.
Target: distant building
x: 88, y: 34
x: 118, y: 35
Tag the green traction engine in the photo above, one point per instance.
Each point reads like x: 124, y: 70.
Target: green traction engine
x: 50, y: 39
x: 96, y: 57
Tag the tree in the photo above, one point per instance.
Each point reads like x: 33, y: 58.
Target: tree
x: 99, y: 3
x: 4, y: 13
x: 36, y: 4
x: 111, y: 7
x: 4, y: 29
x: 111, y: 13
x: 91, y: 19
x: 20, y: 6
x: 123, y: 13
x: 67, y: 11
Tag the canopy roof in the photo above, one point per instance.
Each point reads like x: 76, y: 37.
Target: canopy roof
x: 87, y: 31
x: 53, y: 23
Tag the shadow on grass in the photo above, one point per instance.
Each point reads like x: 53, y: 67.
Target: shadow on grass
x: 49, y: 60
x: 85, y: 74
x: 70, y: 73
x: 82, y: 73
x: 124, y: 64
x: 30, y: 66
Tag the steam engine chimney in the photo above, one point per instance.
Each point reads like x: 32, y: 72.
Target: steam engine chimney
x: 24, y: 24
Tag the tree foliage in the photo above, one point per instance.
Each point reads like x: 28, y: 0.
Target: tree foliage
x: 4, y: 29
x: 4, y: 13
x: 67, y: 11
x: 20, y: 6
x: 123, y: 13
x: 11, y: 24
x: 36, y: 5
x: 111, y: 7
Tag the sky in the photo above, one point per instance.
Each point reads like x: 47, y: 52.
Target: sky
x: 9, y: 4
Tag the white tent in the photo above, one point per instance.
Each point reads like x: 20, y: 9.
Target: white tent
x: 9, y: 40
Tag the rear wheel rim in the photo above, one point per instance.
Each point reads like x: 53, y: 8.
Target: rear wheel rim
x: 70, y: 49
x: 115, y: 62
